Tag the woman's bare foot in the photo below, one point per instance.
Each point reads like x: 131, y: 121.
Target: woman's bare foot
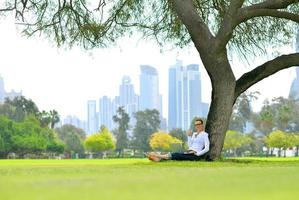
x: 154, y: 158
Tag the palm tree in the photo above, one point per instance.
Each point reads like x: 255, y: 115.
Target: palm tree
x: 55, y: 118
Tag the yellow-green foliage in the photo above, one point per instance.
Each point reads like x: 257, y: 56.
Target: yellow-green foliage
x: 235, y: 139
x: 279, y: 139
x: 101, y: 141
x: 163, y: 141
x: 295, y: 139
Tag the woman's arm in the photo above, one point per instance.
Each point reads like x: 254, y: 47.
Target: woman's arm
x: 206, y: 148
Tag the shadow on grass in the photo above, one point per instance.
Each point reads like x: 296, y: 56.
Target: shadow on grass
x: 225, y: 162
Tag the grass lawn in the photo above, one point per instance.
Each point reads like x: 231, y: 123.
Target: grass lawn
x: 140, y: 179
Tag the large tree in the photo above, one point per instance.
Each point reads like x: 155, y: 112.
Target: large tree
x: 215, y: 27
x: 147, y: 123
x: 122, y: 119
x: 72, y: 137
x: 242, y: 111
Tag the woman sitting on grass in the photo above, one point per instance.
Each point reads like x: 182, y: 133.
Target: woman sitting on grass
x: 198, y: 143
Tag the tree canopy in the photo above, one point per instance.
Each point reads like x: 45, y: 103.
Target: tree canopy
x: 240, y: 23
x: 101, y: 141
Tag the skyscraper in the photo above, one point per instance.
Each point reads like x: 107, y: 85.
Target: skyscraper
x: 3, y: 94
x: 75, y: 121
x: 194, y: 92
x: 172, y: 94
x: 294, y: 91
x: 106, y: 112
x: 149, y: 89
x: 184, y: 95
x: 127, y: 98
x: 92, y: 118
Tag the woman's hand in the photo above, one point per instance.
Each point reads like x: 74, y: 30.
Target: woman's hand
x: 189, y: 133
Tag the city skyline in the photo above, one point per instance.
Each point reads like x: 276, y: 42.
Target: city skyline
x: 148, y: 98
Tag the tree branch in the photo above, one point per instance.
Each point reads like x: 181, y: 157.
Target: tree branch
x: 10, y: 8
x: 259, y: 73
x: 271, y: 4
x: 245, y: 16
x: 228, y: 24
x: 199, y: 31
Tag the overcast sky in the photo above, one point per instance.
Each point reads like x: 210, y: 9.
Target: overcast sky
x: 65, y: 79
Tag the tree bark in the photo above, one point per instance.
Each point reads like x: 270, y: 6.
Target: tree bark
x: 218, y: 120
x: 223, y: 98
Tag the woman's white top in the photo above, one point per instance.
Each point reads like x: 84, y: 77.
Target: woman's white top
x: 199, y: 142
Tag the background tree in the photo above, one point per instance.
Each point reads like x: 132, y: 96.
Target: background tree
x: 6, y: 132
x: 30, y: 138
x: 280, y: 140
x: 162, y: 141
x: 179, y: 134
x: 235, y: 140
x: 242, y: 111
x: 296, y: 143
x: 53, y: 143
x: 55, y: 118
x: 44, y: 118
x: 217, y: 28
x: 23, y: 107
x: 100, y: 142
x: 122, y: 119
x: 147, y: 123
x: 255, y: 148
x: 285, y: 112
x: 265, y: 120
x: 72, y: 137
x: 294, y: 126
x: 7, y: 110
x: 20, y: 107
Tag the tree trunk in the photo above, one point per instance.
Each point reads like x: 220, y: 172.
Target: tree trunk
x: 279, y: 152
x: 223, y: 98
x: 297, y: 151
x: 268, y: 151
x: 285, y: 153
x: 235, y: 152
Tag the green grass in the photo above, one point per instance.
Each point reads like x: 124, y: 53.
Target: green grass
x: 130, y: 179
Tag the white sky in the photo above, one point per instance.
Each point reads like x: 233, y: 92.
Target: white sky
x: 65, y: 79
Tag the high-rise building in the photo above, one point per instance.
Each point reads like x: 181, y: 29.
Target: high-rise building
x: 128, y: 98
x: 193, y: 92
x: 173, y: 103
x: 294, y: 91
x: 106, y: 112
x: 184, y: 95
x: 92, y: 117
x: 3, y: 94
x: 149, y: 89
x: 75, y: 121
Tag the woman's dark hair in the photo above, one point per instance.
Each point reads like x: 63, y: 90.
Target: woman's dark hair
x: 199, y: 120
